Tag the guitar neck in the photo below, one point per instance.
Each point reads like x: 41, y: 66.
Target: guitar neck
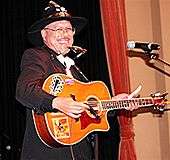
x: 124, y: 103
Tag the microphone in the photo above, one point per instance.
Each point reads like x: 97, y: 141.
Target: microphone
x: 145, y: 46
x: 76, y: 49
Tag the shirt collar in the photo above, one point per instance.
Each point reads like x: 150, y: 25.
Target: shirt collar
x: 65, y: 60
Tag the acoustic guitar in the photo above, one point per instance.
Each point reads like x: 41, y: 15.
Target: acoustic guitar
x: 57, y: 129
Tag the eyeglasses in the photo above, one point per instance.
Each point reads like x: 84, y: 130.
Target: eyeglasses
x: 61, y: 30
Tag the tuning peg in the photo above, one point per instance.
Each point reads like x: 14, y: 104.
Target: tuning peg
x: 158, y: 94
x: 164, y: 94
x: 159, y: 108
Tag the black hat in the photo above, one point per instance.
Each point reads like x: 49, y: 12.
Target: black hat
x: 53, y: 12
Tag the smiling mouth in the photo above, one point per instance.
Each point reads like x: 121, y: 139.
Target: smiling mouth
x: 63, y: 40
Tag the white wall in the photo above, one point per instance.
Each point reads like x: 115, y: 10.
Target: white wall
x: 148, y: 20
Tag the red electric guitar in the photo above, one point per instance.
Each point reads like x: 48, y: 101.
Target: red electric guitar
x: 56, y: 129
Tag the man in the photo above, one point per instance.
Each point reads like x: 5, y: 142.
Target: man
x: 53, y: 37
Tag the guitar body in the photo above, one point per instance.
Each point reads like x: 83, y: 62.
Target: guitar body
x: 56, y: 129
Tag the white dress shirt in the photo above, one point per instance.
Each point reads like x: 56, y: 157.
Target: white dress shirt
x: 66, y: 61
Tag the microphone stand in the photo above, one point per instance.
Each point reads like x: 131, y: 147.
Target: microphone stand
x: 154, y: 57
x: 162, y: 61
x: 150, y: 58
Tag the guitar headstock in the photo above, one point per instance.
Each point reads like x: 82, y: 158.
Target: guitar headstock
x: 159, y: 100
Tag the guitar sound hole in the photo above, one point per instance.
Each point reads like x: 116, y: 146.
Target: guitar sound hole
x: 92, y: 102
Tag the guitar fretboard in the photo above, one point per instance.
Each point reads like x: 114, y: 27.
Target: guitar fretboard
x: 122, y: 104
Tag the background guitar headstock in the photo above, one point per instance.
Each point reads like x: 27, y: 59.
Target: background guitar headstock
x: 159, y: 101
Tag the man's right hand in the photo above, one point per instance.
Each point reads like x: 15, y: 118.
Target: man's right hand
x: 68, y: 106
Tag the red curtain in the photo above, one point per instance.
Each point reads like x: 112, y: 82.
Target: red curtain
x: 115, y: 37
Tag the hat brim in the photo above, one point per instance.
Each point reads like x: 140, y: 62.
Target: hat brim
x: 34, y: 32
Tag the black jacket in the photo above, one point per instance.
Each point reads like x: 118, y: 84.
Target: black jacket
x: 36, y: 65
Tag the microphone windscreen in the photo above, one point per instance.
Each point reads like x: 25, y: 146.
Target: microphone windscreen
x: 131, y: 44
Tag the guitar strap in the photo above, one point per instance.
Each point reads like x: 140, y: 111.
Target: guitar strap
x: 78, y: 74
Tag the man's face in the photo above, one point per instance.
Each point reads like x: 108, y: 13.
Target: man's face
x: 58, y: 36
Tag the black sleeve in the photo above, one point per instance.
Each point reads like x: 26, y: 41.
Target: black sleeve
x: 34, y: 70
